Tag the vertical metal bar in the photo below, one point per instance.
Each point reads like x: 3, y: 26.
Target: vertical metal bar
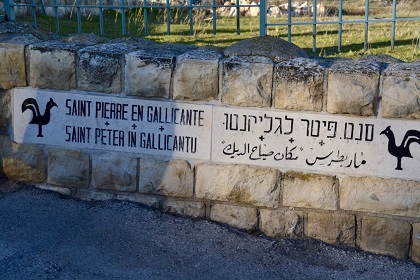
x: 57, y: 18
x: 289, y: 21
x: 101, y: 18
x: 146, y: 20
x: 9, y: 7
x: 365, y: 43
x: 394, y: 16
x: 340, y: 24
x: 79, y: 17
x: 168, y: 18
x: 215, y: 16
x: 123, y: 21
x: 41, y: 3
x: 238, y: 14
x: 33, y: 12
x: 191, y: 18
x: 263, y: 17
x: 314, y: 28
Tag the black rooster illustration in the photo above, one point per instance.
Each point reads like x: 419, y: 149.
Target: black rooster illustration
x: 37, y: 118
x: 403, y: 150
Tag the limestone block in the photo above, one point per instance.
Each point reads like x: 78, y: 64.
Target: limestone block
x: 281, y: 223
x: 22, y: 162
x: 68, y: 168
x: 90, y: 195
x: 100, y: 67
x: 238, y: 183
x: 114, y: 171
x: 247, y: 81
x: 12, y: 65
x: 185, y: 208
x: 148, y: 200
x: 298, y: 85
x: 170, y: 178
x: 236, y: 216
x: 353, y: 87
x: 5, y: 109
x: 310, y: 191
x: 415, y: 247
x: 196, y: 75
x: 400, y: 91
x: 52, y: 65
x: 254, y: 10
x: 243, y: 10
x: 332, y: 228
x: 12, y: 59
x: 385, y: 236
x: 377, y: 195
x: 148, y: 71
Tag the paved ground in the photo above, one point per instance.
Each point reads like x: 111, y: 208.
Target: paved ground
x: 47, y: 236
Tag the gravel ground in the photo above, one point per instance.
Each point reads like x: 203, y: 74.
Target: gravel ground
x: 44, y: 235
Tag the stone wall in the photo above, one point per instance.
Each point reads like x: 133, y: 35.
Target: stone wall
x: 379, y: 214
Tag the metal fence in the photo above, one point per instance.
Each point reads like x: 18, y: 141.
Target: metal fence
x: 98, y: 7
x: 2, y: 11
x: 366, y: 21
x: 56, y: 8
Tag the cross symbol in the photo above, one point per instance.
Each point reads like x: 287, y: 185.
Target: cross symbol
x: 261, y: 138
x: 134, y: 126
x: 291, y: 140
x: 161, y: 128
x: 107, y: 123
x: 322, y: 143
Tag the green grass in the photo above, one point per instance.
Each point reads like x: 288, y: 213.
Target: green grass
x: 406, y: 44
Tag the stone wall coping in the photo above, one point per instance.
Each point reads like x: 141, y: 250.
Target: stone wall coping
x: 403, y: 68
x: 169, y: 49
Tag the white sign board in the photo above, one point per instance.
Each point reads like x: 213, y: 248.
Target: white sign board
x: 112, y: 123
x: 312, y: 142
x: 317, y: 142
